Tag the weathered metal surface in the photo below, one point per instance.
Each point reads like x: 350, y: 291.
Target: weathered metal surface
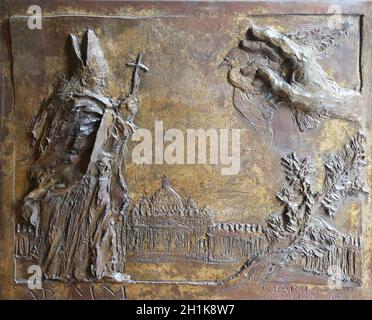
x: 291, y: 221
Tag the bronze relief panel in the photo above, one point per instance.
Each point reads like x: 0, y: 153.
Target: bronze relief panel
x: 208, y: 150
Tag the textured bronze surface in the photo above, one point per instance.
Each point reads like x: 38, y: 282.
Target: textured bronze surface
x: 293, y: 222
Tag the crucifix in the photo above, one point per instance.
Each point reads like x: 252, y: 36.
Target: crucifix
x: 137, y: 66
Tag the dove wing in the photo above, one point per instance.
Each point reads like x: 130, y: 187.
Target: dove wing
x: 308, y: 120
x: 254, y: 113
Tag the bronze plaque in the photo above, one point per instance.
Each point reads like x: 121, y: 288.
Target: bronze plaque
x: 172, y: 150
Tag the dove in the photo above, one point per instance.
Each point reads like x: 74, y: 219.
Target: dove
x: 268, y: 68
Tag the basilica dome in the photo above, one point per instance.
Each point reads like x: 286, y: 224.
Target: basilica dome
x: 166, y: 199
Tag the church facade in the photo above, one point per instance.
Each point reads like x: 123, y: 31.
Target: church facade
x: 166, y: 226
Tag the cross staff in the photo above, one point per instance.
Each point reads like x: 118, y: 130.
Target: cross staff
x: 136, y: 78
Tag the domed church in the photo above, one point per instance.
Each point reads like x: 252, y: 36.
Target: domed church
x: 166, y: 226
x: 165, y: 223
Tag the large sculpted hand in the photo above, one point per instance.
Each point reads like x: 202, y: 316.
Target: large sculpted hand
x: 270, y: 64
x: 308, y: 87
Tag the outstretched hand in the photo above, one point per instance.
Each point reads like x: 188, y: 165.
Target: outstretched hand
x: 302, y: 82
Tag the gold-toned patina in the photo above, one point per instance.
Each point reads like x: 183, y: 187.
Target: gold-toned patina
x: 293, y: 220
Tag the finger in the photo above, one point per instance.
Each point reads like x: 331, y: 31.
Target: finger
x: 274, y: 81
x: 259, y: 47
x: 241, y: 81
x: 288, y: 48
x: 267, y: 56
x: 282, y: 88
